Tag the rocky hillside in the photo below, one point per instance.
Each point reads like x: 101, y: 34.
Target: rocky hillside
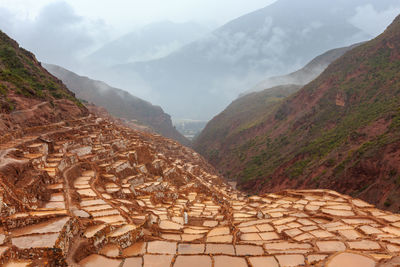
x: 224, y: 130
x: 341, y: 131
x: 306, y: 74
x: 29, y: 95
x: 252, y: 107
x: 119, y: 103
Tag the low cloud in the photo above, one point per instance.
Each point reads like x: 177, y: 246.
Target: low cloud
x: 257, y: 49
x: 57, y: 35
x: 372, y: 21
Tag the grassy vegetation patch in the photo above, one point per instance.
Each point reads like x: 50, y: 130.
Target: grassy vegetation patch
x: 297, y: 169
x: 19, y: 68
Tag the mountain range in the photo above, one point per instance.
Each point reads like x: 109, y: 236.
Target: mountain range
x: 153, y: 41
x: 343, y: 124
x: 306, y: 74
x: 206, y: 75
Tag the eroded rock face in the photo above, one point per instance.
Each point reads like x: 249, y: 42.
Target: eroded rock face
x: 110, y: 195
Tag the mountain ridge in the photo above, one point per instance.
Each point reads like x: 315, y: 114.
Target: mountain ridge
x: 306, y: 74
x: 242, y: 52
x: 118, y: 102
x: 341, y: 124
x: 150, y: 42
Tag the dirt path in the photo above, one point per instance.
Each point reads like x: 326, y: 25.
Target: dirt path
x: 77, y: 241
x: 33, y: 108
x: 67, y: 191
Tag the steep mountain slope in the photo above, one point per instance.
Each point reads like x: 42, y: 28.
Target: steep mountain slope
x: 306, y: 74
x: 153, y: 41
x: 118, y: 102
x: 343, y: 124
x: 224, y: 130
x: 253, y: 107
x: 29, y: 95
x: 208, y: 74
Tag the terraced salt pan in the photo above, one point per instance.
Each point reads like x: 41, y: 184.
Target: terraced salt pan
x: 88, y: 173
x: 351, y: 260
x: 138, y: 248
x: 48, y: 212
x: 220, y: 239
x: 161, y: 247
x: 92, y: 202
x: 82, y: 186
x: 123, y: 230
x: 203, y: 222
x: 33, y: 156
x: 190, y: 237
x: 99, y: 261
x: 55, y: 186
x: 195, y: 261
x: 112, y: 188
x: 219, y: 231
x: 57, y: 197
x: 249, y: 250
x: 86, y: 192
x: 111, y: 219
x: 92, y: 230
x: 17, y: 264
x: 110, y: 250
x: 169, y: 225
x: 157, y: 260
x: 106, y: 196
x: 103, y: 213
x: 82, y: 180
x: 98, y: 207
x: 54, y: 205
x: 35, y: 241
x: 50, y: 226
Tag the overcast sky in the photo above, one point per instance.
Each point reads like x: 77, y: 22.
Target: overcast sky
x: 65, y: 31
x: 61, y: 31
x: 123, y: 15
